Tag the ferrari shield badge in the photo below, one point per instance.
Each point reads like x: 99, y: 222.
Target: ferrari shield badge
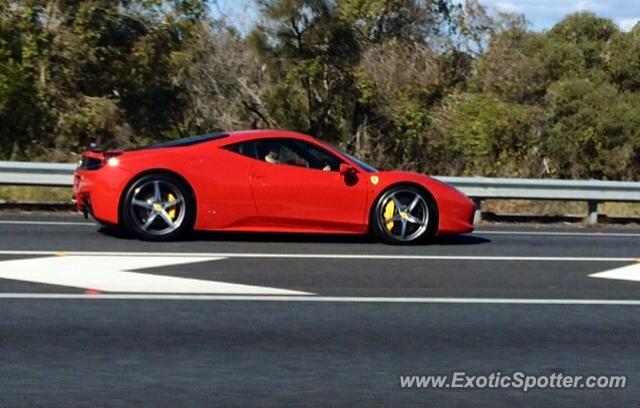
x: 375, y: 180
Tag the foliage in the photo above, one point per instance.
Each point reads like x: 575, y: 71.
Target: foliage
x: 594, y: 129
x: 95, y: 70
x: 428, y: 85
x: 483, y: 136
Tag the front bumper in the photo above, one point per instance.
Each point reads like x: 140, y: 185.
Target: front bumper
x: 457, y: 215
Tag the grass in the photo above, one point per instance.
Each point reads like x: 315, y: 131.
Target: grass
x: 11, y: 194
x: 560, y: 208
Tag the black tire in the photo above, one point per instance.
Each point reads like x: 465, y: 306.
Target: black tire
x: 142, y: 193
x: 391, y: 230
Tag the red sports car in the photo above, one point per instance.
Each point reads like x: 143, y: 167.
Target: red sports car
x: 268, y: 181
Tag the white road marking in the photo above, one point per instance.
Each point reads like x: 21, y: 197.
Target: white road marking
x: 59, y: 223
x: 107, y: 273
x: 627, y: 273
x: 327, y: 299
x: 328, y: 256
x: 594, y: 234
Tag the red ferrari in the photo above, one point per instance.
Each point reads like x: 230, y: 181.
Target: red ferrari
x: 266, y: 181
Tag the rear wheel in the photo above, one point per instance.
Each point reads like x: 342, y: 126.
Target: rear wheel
x: 404, y: 215
x: 158, y: 207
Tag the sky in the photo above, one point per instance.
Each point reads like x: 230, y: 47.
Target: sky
x: 542, y: 14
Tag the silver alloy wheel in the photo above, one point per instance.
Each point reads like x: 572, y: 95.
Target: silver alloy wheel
x: 410, y: 216
x: 158, y: 207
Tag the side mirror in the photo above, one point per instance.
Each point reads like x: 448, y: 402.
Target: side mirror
x: 347, y: 170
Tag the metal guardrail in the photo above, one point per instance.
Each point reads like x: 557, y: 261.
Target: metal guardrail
x: 36, y: 174
x: 478, y: 188
x: 593, y: 192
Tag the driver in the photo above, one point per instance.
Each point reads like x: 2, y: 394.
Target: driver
x: 272, y: 155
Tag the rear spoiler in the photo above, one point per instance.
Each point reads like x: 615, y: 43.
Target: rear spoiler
x: 94, y: 158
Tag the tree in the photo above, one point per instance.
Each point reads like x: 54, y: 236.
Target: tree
x: 623, y: 59
x: 365, y: 73
x: 589, y: 33
x: 225, y: 83
x: 594, y: 130
x: 415, y: 20
x: 510, y: 68
x: 475, y: 134
x: 309, y: 51
x: 93, y: 70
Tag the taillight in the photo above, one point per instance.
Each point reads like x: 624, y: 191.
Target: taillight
x: 111, y: 158
x: 94, y: 160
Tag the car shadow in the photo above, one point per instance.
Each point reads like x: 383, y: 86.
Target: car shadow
x: 466, y: 239
x: 203, y: 236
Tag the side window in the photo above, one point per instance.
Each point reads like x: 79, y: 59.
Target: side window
x: 296, y: 153
x: 319, y: 158
x: 246, y: 149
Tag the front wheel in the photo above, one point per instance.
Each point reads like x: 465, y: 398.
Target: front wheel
x: 404, y: 215
x: 158, y: 207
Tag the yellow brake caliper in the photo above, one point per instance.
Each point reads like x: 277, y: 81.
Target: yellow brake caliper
x: 172, y: 211
x: 389, y: 209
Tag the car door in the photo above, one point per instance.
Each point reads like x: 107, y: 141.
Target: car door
x: 225, y: 199
x: 303, y: 188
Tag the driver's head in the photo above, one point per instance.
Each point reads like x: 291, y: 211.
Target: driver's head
x: 271, y: 152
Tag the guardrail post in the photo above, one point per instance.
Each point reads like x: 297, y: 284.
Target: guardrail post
x: 477, y: 217
x: 593, y: 212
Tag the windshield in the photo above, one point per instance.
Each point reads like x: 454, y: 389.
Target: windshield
x: 365, y: 166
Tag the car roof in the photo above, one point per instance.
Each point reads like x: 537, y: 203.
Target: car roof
x: 189, y: 141
x: 223, y: 139
x: 246, y: 135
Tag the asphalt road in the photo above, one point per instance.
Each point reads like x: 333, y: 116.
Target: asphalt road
x: 351, y: 317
